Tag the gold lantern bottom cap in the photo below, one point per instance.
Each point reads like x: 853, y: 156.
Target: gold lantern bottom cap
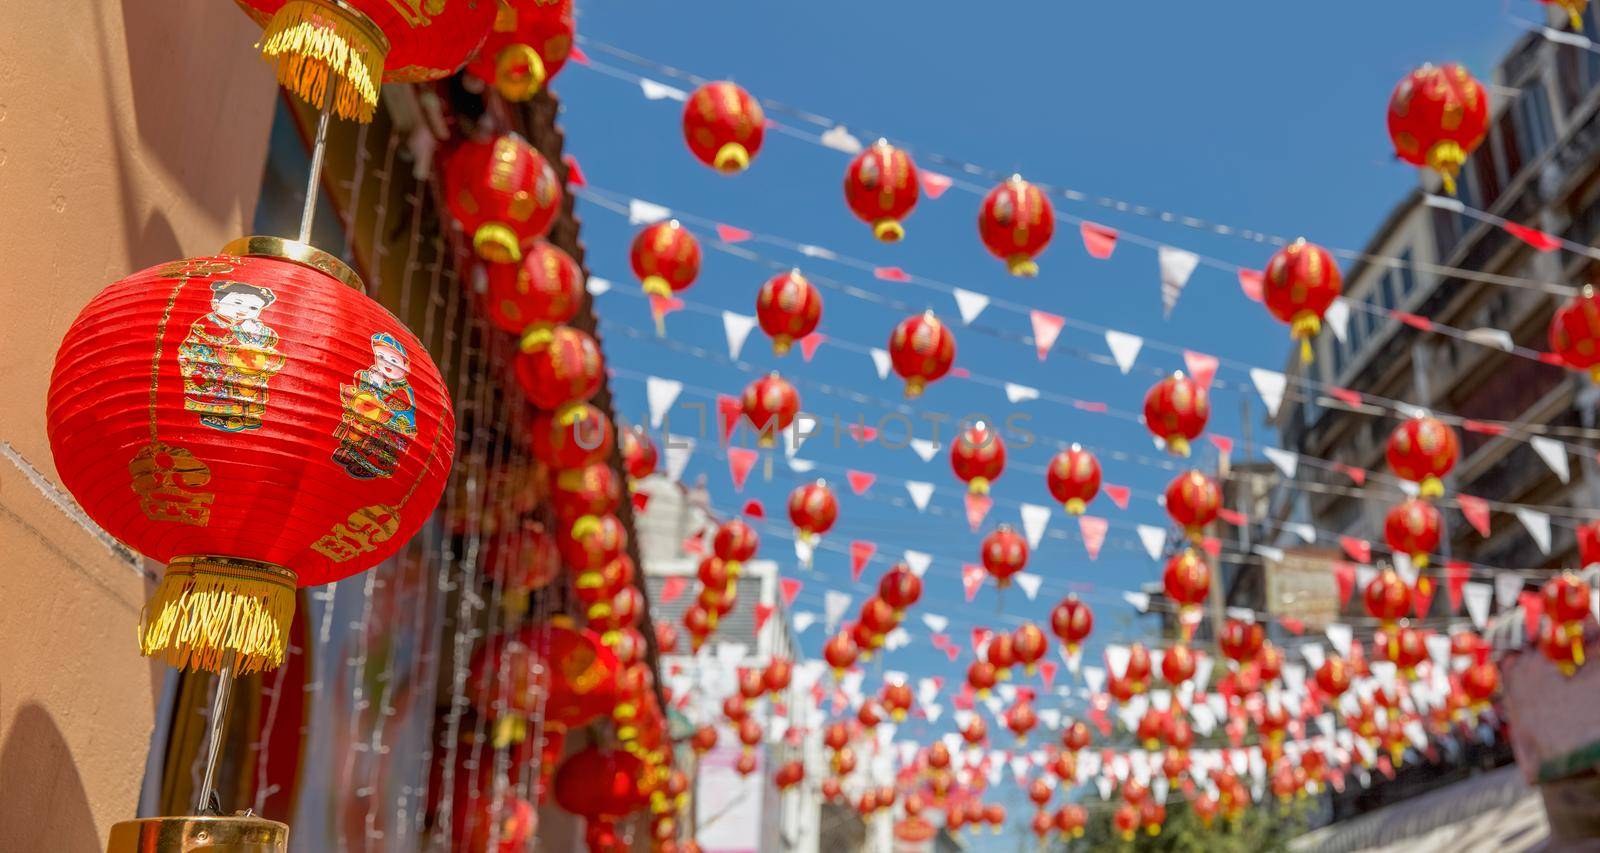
x: 223, y: 834
x: 209, y: 612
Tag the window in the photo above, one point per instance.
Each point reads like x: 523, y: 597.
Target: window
x: 1389, y: 298
x: 1408, y: 276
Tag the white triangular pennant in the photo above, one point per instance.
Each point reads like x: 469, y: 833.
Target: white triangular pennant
x: 801, y: 466
x: 880, y: 361
x: 657, y: 91
x: 840, y: 139
x: 969, y: 304
x: 1506, y: 589
x: 1286, y: 461
x: 918, y: 562
x: 924, y: 448
x: 1176, y: 267
x: 597, y: 286
x: 1035, y: 519
x: 1154, y: 539
x: 737, y: 327
x: 660, y: 394
x: 1029, y: 583
x: 641, y: 212
x: 1306, y: 532
x: 935, y: 622
x: 802, y: 619
x: 920, y: 493
x: 804, y: 551
x: 1476, y: 598
x: 1020, y: 393
x: 1270, y: 385
x: 1117, y: 659
x: 1538, y: 524
x: 1339, y: 634
x: 1314, y: 654
x: 676, y: 450
x: 1124, y: 348
x: 1554, y: 454
x: 835, y: 603
x: 1094, y: 678
x: 1498, y: 338
x: 1338, y: 318
x: 1139, y: 600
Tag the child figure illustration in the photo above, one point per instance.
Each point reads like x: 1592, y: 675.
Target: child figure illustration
x: 380, y: 413
x: 228, y: 358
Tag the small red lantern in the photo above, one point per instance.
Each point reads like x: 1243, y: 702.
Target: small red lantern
x: 978, y: 457
x: 789, y: 775
x: 1152, y: 815
x: 504, y: 195
x: 840, y: 652
x: 813, y: 509
x: 938, y: 756
x: 1575, y: 333
x: 877, y: 616
x: 832, y: 791
x: 778, y: 674
x: 1300, y: 283
x: 1004, y: 553
x: 995, y: 815
x: 1029, y: 644
x: 1386, y: 597
x: 870, y: 714
x: 1152, y: 728
x: 1075, y: 736
x: 724, y: 126
x: 1480, y: 682
x: 770, y: 405
x: 881, y: 188
x: 566, y: 674
x: 356, y: 45
x: 900, y: 588
x: 981, y: 676
x: 921, y: 350
x: 1042, y: 821
x: 1240, y: 641
x: 1071, y: 621
x: 975, y: 731
x: 1412, y: 528
x: 568, y: 369
x: 750, y: 732
x: 1065, y: 767
x: 844, y: 761
x: 528, y: 47
x: 897, y: 698
x: 745, y: 764
x: 1073, y: 478
x: 1561, y: 649
x: 1125, y: 820
x: 596, y: 545
x: 577, y: 437
x: 1176, y: 410
x: 1437, y: 118
x: 257, y: 424
x: 530, y: 298
x: 580, y: 497
x: 1039, y: 791
x: 1423, y: 450
x: 1178, y: 665
x: 1269, y: 662
x: 1187, y: 580
x: 735, y: 544
x: 1016, y: 223
x: 665, y: 257
x: 638, y: 453
x: 1071, y: 819
x: 788, y: 308
x: 1138, y: 669
x: 1566, y: 603
x: 1193, y: 500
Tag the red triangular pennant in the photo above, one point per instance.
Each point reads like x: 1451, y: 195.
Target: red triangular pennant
x: 577, y: 55
x: 1415, y: 321
x: 695, y: 544
x: 860, y: 554
x: 672, y: 588
x: 971, y: 579
x: 1455, y: 579
x: 809, y: 344
x: 1356, y: 475
x: 1231, y: 516
x: 1098, y: 240
x: 1532, y: 610
x: 1201, y: 366
x: 1422, y: 597
x: 575, y: 176
x: 1093, y: 530
x: 1345, y: 395
x: 660, y: 307
x: 1118, y: 494
x: 1292, y: 625
x: 763, y: 613
x: 1533, y: 237
x: 730, y: 234
x: 754, y: 509
x: 640, y: 501
x: 789, y: 588
x: 1344, y: 574
x: 1482, y: 428
x: 860, y: 481
x: 740, y: 461
x: 977, y: 508
x: 862, y: 433
x: 891, y: 274
x: 1222, y: 443
x: 1046, y: 328
x: 1211, y: 545
x: 729, y: 410
x: 1047, y: 671
x: 1250, y: 283
x: 933, y: 183
x: 1476, y: 512
x: 1359, y: 550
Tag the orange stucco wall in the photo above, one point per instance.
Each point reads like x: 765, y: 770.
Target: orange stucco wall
x: 131, y: 132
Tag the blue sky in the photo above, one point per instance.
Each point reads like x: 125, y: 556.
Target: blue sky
x: 1254, y: 114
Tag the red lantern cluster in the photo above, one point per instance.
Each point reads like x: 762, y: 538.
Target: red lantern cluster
x: 528, y: 47
x: 1438, y: 115
x: 1299, y: 285
x: 978, y: 457
x: 880, y: 186
x: 1073, y: 478
x: 1016, y: 223
x: 504, y: 195
x: 788, y: 308
x: 723, y: 126
x: 1176, y: 410
x: 921, y: 350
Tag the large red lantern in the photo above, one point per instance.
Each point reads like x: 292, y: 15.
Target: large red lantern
x: 528, y: 46
x: 1561, y: 649
x: 577, y: 437
x: 1187, y: 580
x: 975, y: 731
x: 1005, y: 552
x: 978, y: 457
x: 778, y: 674
x: 568, y: 369
x: 1412, y: 528
x: 639, y: 455
x: 813, y: 509
x: 503, y: 193
x: 530, y: 298
x: 1437, y: 117
x: 900, y: 588
x: 1423, y: 450
x: 1193, y: 500
x: 881, y: 188
x: 1386, y: 598
x: 1125, y: 820
x: 594, y: 546
x: 770, y: 404
x: 1176, y: 410
x: 1073, y: 478
x: 357, y: 45
x: 1016, y: 223
x: 665, y: 257
x: 1575, y: 333
x: 788, y: 308
x: 254, y: 422
x: 735, y: 543
x: 1071, y: 621
x: 1300, y: 283
x: 564, y: 674
x: 897, y: 698
x: 1480, y: 682
x: 921, y: 349
x: 601, y: 785
x: 723, y: 126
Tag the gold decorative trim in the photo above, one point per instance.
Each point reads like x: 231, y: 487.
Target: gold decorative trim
x: 296, y: 252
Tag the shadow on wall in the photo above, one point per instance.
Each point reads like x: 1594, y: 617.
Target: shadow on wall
x: 43, y: 805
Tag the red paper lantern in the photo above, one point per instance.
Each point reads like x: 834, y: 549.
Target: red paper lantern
x: 704, y: 739
x: 638, y: 453
x: 1004, y: 553
x: 1566, y: 603
x: 1386, y: 597
x: 723, y: 126
x: 735, y: 544
x: 1042, y: 821
x: 870, y: 714
x: 921, y: 349
x: 1065, y: 767
x: 256, y: 423
x: 564, y: 674
x: 1138, y: 669
x: 938, y: 756
x: 568, y: 369
x: 356, y: 45
x: 788, y: 308
x: 1016, y: 223
x: 1075, y: 736
x: 1423, y: 450
x: 789, y: 775
x: 595, y: 546
x: 1029, y: 644
x: 813, y: 509
x: 840, y: 652
x: 1575, y: 333
x: 521, y: 560
x: 978, y: 457
x: 1240, y: 641
x: 666, y: 258
x: 1193, y: 500
x: 832, y: 791
x: 1561, y: 649
x: 1071, y: 621
x: 1071, y: 819
x: 995, y: 815
x: 897, y: 698
x: 778, y: 674
x: 981, y: 676
x: 881, y: 188
x: 533, y: 296
x: 746, y: 764
x: 1153, y: 727
x: 770, y: 405
x: 1480, y: 682
x: 975, y: 731
x: 1125, y: 820
x: 601, y: 785
x: 900, y: 588
x: 1187, y: 579
x: 1437, y: 118
x: 503, y: 193
x: 1021, y: 719
x: 844, y: 761
x: 1073, y: 478
x: 1002, y: 654
x: 580, y: 497
x: 1412, y: 528
x: 1269, y: 662
x: 578, y: 436
x: 527, y: 47
x: 1300, y: 283
x: 713, y: 573
x: 1176, y: 410
x: 877, y: 616
x: 1039, y: 791
x: 1333, y: 677
x: 1178, y: 665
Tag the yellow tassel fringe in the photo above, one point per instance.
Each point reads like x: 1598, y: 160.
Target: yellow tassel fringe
x: 309, y: 41
x: 211, y: 611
